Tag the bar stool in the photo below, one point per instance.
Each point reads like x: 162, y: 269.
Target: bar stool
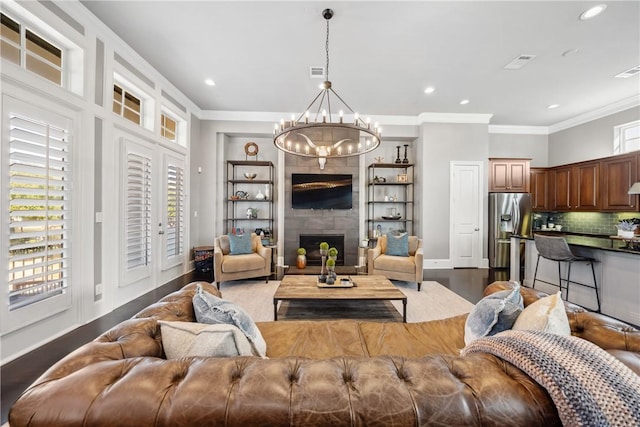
x: 555, y: 248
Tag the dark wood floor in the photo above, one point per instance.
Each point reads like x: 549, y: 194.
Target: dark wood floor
x: 16, y: 375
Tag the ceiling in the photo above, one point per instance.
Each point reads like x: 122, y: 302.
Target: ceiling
x: 384, y: 54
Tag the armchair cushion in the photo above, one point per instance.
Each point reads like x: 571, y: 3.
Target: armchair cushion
x: 404, y: 264
x: 246, y: 262
x: 240, y: 244
x: 398, y: 245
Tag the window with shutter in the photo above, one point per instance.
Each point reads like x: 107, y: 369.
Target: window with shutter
x: 39, y: 210
x: 138, y: 211
x: 175, y: 211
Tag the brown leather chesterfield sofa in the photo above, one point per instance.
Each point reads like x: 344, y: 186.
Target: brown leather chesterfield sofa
x: 326, y: 373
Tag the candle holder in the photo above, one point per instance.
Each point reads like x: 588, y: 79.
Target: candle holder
x: 406, y: 160
x: 398, y: 155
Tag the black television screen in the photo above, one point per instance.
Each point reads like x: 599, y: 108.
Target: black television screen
x: 321, y: 191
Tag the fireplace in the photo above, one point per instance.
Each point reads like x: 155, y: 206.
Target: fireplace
x: 311, y: 242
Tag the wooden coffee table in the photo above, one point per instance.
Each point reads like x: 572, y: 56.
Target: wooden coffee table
x: 368, y: 288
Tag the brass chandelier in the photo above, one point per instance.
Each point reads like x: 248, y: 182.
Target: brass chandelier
x: 322, y: 137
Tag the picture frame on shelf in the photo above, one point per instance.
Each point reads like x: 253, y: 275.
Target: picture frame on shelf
x: 402, y: 177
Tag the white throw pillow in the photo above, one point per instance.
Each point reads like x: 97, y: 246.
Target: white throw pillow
x: 188, y: 339
x: 547, y: 314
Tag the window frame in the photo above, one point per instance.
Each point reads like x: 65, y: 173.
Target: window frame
x: 620, y: 144
x: 20, y: 317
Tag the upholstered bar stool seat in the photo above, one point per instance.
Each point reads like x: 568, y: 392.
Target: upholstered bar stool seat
x: 555, y: 248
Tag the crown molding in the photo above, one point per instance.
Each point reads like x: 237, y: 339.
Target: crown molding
x: 454, y: 118
x: 519, y: 130
x: 607, y: 110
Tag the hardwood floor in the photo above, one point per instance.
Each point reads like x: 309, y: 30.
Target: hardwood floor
x: 18, y: 374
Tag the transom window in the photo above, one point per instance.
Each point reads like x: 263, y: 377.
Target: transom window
x: 24, y: 47
x: 127, y: 105
x: 626, y: 137
x: 168, y: 127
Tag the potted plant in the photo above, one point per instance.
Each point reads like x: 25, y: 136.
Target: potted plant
x: 331, y: 274
x: 626, y: 228
x: 301, y: 260
x: 324, y: 250
x: 333, y: 253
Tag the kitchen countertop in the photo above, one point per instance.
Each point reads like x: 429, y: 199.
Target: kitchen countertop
x: 598, y: 241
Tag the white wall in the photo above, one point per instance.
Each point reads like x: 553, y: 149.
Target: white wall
x: 587, y: 141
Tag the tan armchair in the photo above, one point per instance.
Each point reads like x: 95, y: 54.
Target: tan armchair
x: 397, y: 267
x: 245, y: 266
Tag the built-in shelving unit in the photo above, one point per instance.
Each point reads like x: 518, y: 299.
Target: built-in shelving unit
x: 390, y: 202
x: 242, y: 194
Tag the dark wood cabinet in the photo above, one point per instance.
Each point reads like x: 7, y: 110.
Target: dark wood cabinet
x: 587, y: 184
x: 560, y: 179
x: 575, y: 187
x: 618, y: 174
x: 539, y: 183
x: 509, y: 175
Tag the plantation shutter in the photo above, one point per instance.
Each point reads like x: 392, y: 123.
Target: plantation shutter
x: 174, y: 211
x: 39, y: 210
x: 138, y: 211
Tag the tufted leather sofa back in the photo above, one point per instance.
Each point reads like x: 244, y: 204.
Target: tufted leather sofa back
x: 122, y: 378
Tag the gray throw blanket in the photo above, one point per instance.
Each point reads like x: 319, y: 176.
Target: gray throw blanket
x: 589, y: 386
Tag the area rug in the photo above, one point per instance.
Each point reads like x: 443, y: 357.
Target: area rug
x: 433, y: 302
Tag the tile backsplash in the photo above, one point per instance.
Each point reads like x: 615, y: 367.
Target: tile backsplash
x: 588, y: 222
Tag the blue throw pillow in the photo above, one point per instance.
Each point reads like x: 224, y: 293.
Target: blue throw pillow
x: 398, y: 245
x: 240, y: 244
x: 493, y: 314
x: 211, y: 309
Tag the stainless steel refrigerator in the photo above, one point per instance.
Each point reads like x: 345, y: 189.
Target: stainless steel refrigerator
x: 509, y: 213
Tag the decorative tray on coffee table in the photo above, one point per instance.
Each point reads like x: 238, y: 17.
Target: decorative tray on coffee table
x: 343, y: 282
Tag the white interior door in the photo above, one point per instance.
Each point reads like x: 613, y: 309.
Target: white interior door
x: 466, y: 213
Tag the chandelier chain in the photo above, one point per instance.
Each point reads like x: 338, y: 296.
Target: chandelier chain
x: 327, y: 50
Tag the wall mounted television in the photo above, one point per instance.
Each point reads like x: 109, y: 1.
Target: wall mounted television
x: 321, y: 191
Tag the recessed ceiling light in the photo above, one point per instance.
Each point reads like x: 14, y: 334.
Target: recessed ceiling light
x: 209, y: 82
x: 569, y: 52
x: 464, y: 102
x: 592, y: 12
x: 552, y: 106
x: 430, y: 89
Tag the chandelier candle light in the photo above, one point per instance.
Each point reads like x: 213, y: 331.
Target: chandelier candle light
x: 322, y: 138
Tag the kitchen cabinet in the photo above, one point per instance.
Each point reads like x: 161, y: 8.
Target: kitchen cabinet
x: 509, y: 175
x: 539, y: 182
x: 389, y: 198
x: 618, y: 174
x: 249, y: 203
x: 575, y: 187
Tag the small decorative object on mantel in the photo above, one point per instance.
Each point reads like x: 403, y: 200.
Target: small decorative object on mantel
x: 301, y: 260
x: 251, y: 150
x: 405, y: 160
x: 398, y: 155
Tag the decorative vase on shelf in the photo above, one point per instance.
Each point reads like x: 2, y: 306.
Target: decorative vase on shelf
x: 267, y: 192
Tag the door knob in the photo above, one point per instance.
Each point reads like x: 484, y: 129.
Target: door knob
x: 476, y: 229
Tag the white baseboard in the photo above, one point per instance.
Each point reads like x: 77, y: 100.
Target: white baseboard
x: 432, y: 264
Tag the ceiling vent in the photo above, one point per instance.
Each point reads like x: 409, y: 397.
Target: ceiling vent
x: 519, y: 62
x: 316, y: 72
x: 630, y: 72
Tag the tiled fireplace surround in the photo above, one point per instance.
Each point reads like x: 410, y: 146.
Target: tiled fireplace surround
x: 319, y: 222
